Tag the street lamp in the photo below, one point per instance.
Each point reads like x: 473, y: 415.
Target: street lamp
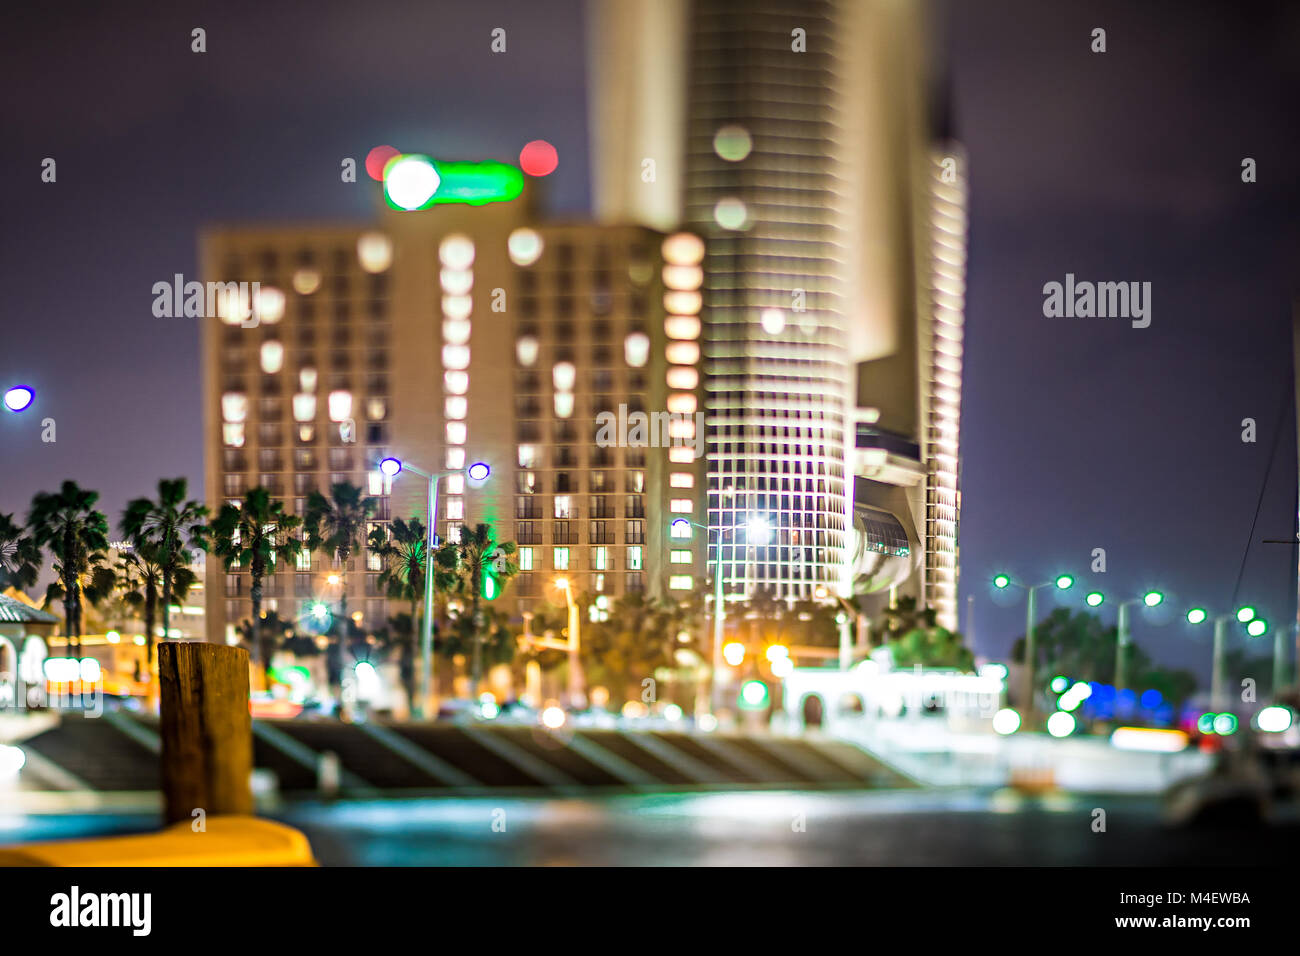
x: 576, y: 689
x: 18, y: 398
x: 392, y: 467
x: 1062, y: 582
x: 759, y: 530
x: 1124, y: 636
x: 1255, y: 627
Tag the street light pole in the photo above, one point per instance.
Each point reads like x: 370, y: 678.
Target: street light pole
x: 719, y: 616
x: 1121, y: 646
x: 577, y: 689
x: 425, y: 704
x: 1216, y: 674
x: 428, y: 689
x: 1031, y: 652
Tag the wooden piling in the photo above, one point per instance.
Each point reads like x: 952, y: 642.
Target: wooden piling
x: 207, y: 731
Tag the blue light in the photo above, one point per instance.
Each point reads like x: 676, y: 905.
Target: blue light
x: 18, y: 398
x: 1151, y: 698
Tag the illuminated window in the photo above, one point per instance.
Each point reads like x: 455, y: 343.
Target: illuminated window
x: 525, y: 559
x: 455, y: 484
x: 456, y: 432
x: 681, y: 582
x: 563, y: 505
x: 561, y: 559
x: 680, y: 506
x: 680, y: 529
x: 681, y: 479
x: 233, y: 434
x: 634, y: 559
x: 374, y: 561
x: 680, y: 556
x: 303, y: 560
x: 457, y: 406
x: 455, y: 459
x: 456, y: 509
x: 527, y: 456
x: 599, y: 558
x: 681, y: 454
x: 453, y: 532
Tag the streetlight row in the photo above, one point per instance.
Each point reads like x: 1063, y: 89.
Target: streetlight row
x: 1255, y: 626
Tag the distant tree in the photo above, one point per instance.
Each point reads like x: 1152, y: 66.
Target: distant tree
x: 20, y: 556
x: 253, y: 536
x: 68, y: 525
x: 174, y: 528
x: 337, y: 525
x: 463, y: 565
x: 402, y: 549
x: 140, y: 573
x: 638, y: 638
x: 1078, y: 645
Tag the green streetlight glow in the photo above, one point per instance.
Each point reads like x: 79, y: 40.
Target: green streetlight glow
x: 1152, y: 598
x: 1245, y: 614
x: 413, y: 181
x: 1095, y: 598
x: 1196, y: 615
x: 1257, y: 627
x: 1002, y: 582
x: 1064, y: 582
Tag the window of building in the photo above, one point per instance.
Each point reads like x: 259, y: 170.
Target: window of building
x: 681, y: 479
x: 681, y: 582
x: 562, y: 506
x: 634, y: 559
x: 680, y: 529
x: 561, y: 559
x: 456, y: 509
x: 680, y: 506
x: 525, y: 559
x: 680, y: 556
x: 599, y: 559
x: 303, y: 560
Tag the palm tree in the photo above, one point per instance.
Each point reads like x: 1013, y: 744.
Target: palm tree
x: 173, y: 526
x: 140, y: 578
x: 76, y: 535
x: 337, y: 524
x: 254, y: 535
x: 467, y: 561
x: 402, y: 548
x: 20, y: 556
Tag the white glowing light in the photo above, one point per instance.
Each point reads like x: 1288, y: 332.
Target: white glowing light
x: 234, y: 406
x: 457, y: 281
x: 773, y: 321
x: 526, y: 349
x: 683, y: 249
x: 374, y: 252
x: 456, y: 252
x: 272, y: 357
x: 636, y: 349
x: 525, y: 247
x: 268, y: 304
x: 340, y: 405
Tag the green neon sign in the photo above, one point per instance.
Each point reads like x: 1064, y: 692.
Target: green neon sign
x: 413, y: 181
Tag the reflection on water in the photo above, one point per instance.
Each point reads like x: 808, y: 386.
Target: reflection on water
x: 782, y: 828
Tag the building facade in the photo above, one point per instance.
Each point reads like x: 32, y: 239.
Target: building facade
x: 794, y: 137
x: 451, y: 336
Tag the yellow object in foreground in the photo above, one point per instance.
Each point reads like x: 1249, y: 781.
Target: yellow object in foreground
x: 224, y: 841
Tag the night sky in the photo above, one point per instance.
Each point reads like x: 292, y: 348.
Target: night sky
x: 1077, y: 433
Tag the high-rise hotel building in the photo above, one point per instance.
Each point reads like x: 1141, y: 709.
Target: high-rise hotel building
x: 793, y: 137
x: 454, y: 335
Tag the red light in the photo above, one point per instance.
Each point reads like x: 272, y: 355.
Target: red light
x: 538, y: 158
x: 377, y: 159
